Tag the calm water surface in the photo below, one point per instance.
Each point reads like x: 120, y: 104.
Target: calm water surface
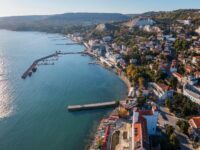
x: 33, y: 114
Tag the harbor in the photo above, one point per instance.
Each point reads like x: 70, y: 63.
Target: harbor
x: 34, y: 65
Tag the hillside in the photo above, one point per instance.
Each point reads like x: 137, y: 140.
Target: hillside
x: 55, y: 23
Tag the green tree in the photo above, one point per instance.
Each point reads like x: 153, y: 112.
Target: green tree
x: 174, y: 141
x: 169, y: 130
x: 173, y: 82
x: 168, y: 103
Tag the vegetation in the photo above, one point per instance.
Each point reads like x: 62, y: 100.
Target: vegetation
x: 181, y: 44
x: 183, y: 125
x: 122, y: 112
x: 169, y: 139
x: 182, y: 106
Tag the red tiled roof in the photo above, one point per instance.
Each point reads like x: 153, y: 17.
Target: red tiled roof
x: 188, y: 68
x: 141, y: 133
x: 164, y: 87
x: 195, y: 122
x: 145, y: 112
x: 197, y: 73
x: 176, y: 74
x: 197, y: 57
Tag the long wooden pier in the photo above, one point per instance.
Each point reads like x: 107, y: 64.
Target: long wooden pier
x: 34, y: 64
x: 92, y: 106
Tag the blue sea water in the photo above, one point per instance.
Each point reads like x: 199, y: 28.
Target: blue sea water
x: 33, y: 114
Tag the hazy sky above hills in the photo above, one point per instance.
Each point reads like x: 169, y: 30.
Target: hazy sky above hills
x: 37, y: 7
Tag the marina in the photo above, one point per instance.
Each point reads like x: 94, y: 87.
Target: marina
x: 33, y: 67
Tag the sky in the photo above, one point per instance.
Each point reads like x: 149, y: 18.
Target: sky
x: 44, y: 7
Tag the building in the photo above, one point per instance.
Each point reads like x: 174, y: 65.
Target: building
x: 144, y: 124
x: 188, y: 68
x: 185, y: 22
x: 192, y: 93
x: 162, y: 91
x: 140, y: 22
x: 194, y: 129
x: 178, y: 76
x: 173, y: 67
x: 149, y: 28
x: 195, y: 59
x: 198, y: 30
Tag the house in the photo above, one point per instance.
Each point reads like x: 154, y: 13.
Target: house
x: 161, y: 90
x: 173, y: 67
x: 140, y: 22
x: 185, y: 22
x: 144, y: 124
x: 149, y: 28
x: 107, y: 38
x: 198, y: 30
x: 192, y: 80
x: 178, y: 76
x: 194, y: 128
x: 188, y: 68
x: 195, y: 59
x: 197, y: 74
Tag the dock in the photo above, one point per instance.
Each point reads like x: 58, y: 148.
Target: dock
x: 29, y: 71
x: 92, y: 106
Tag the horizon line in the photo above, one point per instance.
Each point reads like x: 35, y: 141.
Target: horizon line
x: 50, y: 14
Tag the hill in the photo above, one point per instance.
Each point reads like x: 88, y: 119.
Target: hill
x: 58, y: 22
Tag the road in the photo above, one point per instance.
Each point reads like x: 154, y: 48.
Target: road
x: 165, y: 117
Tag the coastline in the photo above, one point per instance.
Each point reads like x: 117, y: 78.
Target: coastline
x: 112, y: 113
x: 122, y: 77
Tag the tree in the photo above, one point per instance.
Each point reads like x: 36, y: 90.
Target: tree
x: 169, y: 130
x: 122, y: 112
x: 141, y: 101
x: 117, y: 102
x: 173, y: 82
x: 174, y: 141
x: 183, y: 125
x: 168, y: 103
x: 141, y: 82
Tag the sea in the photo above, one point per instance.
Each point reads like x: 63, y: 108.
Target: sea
x: 33, y: 112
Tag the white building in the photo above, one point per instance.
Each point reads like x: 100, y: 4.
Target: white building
x: 144, y: 124
x: 195, y: 59
x: 192, y: 93
x: 161, y: 90
x: 140, y: 22
x: 185, y: 22
x: 198, y: 30
x: 149, y: 28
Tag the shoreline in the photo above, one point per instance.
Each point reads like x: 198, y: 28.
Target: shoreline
x: 126, y: 81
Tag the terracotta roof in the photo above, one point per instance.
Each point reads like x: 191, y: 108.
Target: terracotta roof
x: 145, y: 112
x: 188, y: 68
x: 176, y: 74
x: 197, y: 73
x: 140, y: 133
x: 164, y: 87
x: 195, y: 122
x: 197, y: 57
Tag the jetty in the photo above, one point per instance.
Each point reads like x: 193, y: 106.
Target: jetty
x: 92, y: 106
x: 33, y: 66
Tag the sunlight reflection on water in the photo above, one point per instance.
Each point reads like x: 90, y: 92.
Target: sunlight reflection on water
x: 6, y: 107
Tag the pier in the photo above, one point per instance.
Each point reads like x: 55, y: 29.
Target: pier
x: 92, y: 106
x: 33, y: 68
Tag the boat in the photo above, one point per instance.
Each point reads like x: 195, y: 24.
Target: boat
x: 30, y: 73
x: 34, y: 69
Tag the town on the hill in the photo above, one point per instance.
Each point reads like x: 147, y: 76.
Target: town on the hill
x: 160, y: 58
